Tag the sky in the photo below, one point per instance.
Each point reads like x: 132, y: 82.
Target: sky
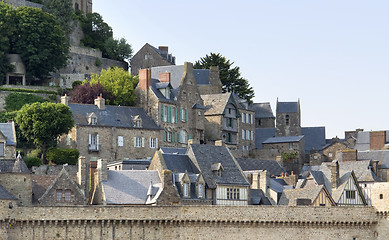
x: 333, y: 55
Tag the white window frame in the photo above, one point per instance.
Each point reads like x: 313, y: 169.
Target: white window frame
x: 183, y: 114
x: 153, y: 142
x: 120, y: 141
x: 248, y: 135
x: 243, y: 134
x: 200, y: 190
x: 139, y: 142
x: 243, y: 118
x: 186, y: 189
x: 252, y: 135
x: 169, y: 136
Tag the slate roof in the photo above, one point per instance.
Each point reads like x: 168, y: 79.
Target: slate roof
x: 262, y: 134
x: 13, y: 165
x: 258, y: 197
x: 40, y: 183
x: 363, y: 141
x: 206, y: 155
x: 131, y: 186
x: 5, y: 195
x: 287, y: 107
x: 155, y: 86
x: 290, y: 196
x: 20, y: 166
x: 112, y: 116
x: 193, y: 179
x: 171, y: 150
x: 216, y: 103
x: 8, y: 130
x: 250, y: 164
x: 169, y: 57
x: 286, y: 139
x: 263, y: 110
x: 381, y: 155
x: 179, y: 163
x: 315, y: 138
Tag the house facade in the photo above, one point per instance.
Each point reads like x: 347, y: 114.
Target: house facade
x: 7, y: 140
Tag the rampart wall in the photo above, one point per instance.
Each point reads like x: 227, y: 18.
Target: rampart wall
x: 191, y: 222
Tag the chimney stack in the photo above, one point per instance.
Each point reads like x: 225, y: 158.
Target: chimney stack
x: 264, y: 182
x: 100, y: 102
x: 377, y: 140
x: 334, y: 168
x: 82, y: 175
x: 144, y: 79
x: 65, y: 100
x: 374, y: 164
x: 164, y: 77
x: 102, y: 169
x: 164, y: 49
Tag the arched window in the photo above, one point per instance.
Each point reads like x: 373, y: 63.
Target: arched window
x: 287, y: 120
x: 76, y: 7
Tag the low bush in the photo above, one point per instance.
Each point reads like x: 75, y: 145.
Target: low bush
x: 16, y: 101
x: 62, y: 155
x: 32, y: 161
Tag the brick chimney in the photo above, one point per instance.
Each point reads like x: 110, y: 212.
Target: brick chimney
x: 83, y: 175
x: 377, y: 140
x: 164, y: 49
x: 144, y: 79
x: 100, y: 102
x: 164, y: 77
x: 264, y: 182
x: 92, y: 171
x: 65, y: 100
x: 349, y: 155
x: 334, y: 168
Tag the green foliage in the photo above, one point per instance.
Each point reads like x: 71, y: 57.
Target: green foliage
x: 117, y: 49
x: 98, y: 62
x: 43, y: 123
x: 230, y: 76
x: 96, y: 31
x: 62, y: 10
x: 289, y: 156
x: 7, y: 28
x: 62, y: 156
x: 32, y: 161
x: 6, y: 116
x: 76, y: 83
x: 27, y: 90
x: 16, y: 101
x: 119, y: 84
x: 40, y: 41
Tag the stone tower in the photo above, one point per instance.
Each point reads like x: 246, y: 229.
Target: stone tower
x: 288, y: 119
x: 84, y: 6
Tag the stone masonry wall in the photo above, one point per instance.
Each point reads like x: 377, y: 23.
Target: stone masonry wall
x: 21, y: 3
x: 191, y: 222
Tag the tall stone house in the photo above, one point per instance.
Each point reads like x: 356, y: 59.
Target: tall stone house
x: 288, y: 119
x: 7, y: 140
x: 149, y: 56
x: 111, y: 132
x: 206, y: 174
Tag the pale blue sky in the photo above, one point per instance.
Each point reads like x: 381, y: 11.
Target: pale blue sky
x: 333, y: 55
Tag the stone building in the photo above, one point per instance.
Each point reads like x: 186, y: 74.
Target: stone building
x: 314, y: 196
x: 84, y: 6
x: 149, y: 56
x: 7, y: 140
x: 288, y: 117
x: 111, y: 132
x: 264, y: 117
x: 174, y: 102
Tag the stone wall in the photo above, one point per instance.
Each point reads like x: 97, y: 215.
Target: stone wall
x: 19, y: 185
x: 191, y: 222
x: 21, y: 3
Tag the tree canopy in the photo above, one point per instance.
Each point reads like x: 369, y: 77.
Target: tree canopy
x: 86, y: 93
x: 40, y: 41
x: 118, y: 49
x: 119, y: 85
x: 230, y: 76
x: 62, y: 10
x: 43, y: 123
x: 7, y: 28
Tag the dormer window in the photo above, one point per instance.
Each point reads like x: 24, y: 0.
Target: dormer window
x: 186, y: 189
x: 200, y: 190
x: 165, y: 92
x: 217, y: 169
x: 137, y: 121
x: 92, y: 119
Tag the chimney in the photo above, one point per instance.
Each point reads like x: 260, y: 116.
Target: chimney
x: 377, y: 140
x: 166, y: 178
x: 82, y: 175
x: 188, y: 67
x: 219, y: 143
x: 349, y: 155
x: 144, y: 79
x: 100, y: 102
x: 65, y: 100
x: 214, y: 79
x: 92, y: 170
x: 164, y: 49
x: 164, y: 77
x: 255, y: 181
x: 374, y: 164
x: 334, y: 168
x: 193, y: 141
x: 264, y: 182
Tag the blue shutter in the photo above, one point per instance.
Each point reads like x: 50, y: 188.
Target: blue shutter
x: 163, y: 112
x: 178, y: 137
x: 189, y: 137
x: 175, y: 110
x: 180, y: 114
x: 169, y: 116
x: 164, y: 136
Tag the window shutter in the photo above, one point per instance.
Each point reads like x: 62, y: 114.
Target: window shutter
x: 189, y: 137
x: 164, y: 136
x: 180, y: 114
x: 163, y: 113
x: 134, y: 141
x: 156, y: 143
x: 179, y: 137
x: 150, y: 143
x: 186, y: 110
x: 97, y: 142
x: 169, y: 114
x: 175, y: 110
x: 143, y: 142
x: 90, y: 138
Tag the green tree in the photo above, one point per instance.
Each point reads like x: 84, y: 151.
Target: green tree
x: 230, y: 76
x: 117, y: 49
x: 7, y: 28
x: 16, y: 101
x: 119, y: 85
x: 43, y: 123
x: 40, y: 41
x: 62, y: 10
x: 96, y: 31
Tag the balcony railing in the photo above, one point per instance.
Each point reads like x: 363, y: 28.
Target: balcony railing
x: 94, y: 147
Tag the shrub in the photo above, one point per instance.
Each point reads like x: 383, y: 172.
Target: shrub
x: 32, y: 161
x: 98, y: 62
x: 62, y: 155
x: 76, y: 83
x: 15, y: 101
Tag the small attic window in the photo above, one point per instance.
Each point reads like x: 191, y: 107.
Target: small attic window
x: 217, y: 169
x: 166, y: 92
x: 137, y: 121
x: 92, y: 119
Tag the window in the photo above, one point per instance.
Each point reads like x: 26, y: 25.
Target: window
x: 259, y: 122
x: 381, y: 196
x: 2, y: 149
x: 184, y: 115
x: 94, y: 142
x: 247, y: 134
x: 243, y: 134
x: 59, y: 195
x: 68, y: 195
x: 252, y: 135
x: 76, y: 7
x: 350, y: 194
x: 186, y: 189
x: 252, y: 118
x: 166, y: 92
x: 120, y: 141
x: 247, y: 118
x: 233, y: 193
x: 93, y: 121
x: 153, y: 142
x: 229, y: 122
x: 200, y: 190
x: 290, y: 146
x: 182, y: 137
x: 168, y: 136
x: 287, y: 120
x: 138, y: 123
x: 139, y: 142
x: 229, y: 137
x: 229, y: 111
x: 243, y: 118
